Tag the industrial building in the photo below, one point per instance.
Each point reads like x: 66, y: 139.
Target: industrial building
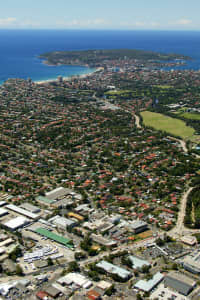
x: 54, y: 237
x: 22, y: 211
x: 138, y: 263
x: 114, y: 270
x: 147, y: 286
x: 16, y: 223
x: 191, y: 262
x: 31, y: 208
x: 44, y: 201
x: 179, y: 282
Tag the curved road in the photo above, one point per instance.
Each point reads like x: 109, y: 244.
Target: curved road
x: 137, y: 121
x: 179, y: 228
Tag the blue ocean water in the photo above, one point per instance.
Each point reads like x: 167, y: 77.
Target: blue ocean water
x: 19, y: 49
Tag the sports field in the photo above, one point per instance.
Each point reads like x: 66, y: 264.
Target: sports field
x: 167, y: 124
x: 191, y: 116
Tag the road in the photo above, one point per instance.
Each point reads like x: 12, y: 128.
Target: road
x: 126, y: 247
x: 182, y: 143
x: 180, y: 229
x: 137, y: 122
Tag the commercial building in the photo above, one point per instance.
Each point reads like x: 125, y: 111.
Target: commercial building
x: 189, y: 240
x: 103, y: 241
x: 138, y: 263
x: 179, y: 282
x: 52, y: 292
x: 75, y: 278
x: 104, y: 285
x: 138, y: 226
x: 62, y: 222
x: 3, y: 212
x: 114, y: 270
x: 22, y: 211
x: 54, y: 237
x: 147, y: 286
x: 16, y: 223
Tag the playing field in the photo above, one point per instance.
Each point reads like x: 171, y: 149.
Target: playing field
x: 167, y: 124
x: 191, y: 116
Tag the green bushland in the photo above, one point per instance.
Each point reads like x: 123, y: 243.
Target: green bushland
x: 170, y: 125
x: 192, y: 214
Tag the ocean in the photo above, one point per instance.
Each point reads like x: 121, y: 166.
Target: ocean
x: 19, y: 49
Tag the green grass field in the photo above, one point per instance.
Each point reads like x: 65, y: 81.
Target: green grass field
x: 121, y: 92
x: 191, y: 116
x: 170, y: 125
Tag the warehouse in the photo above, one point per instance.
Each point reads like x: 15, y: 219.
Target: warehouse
x: 191, y: 262
x: 180, y: 283
x: 31, y: 208
x: 44, y: 201
x: 54, y: 237
x: 114, y: 270
x: 147, y: 286
x: 22, y: 211
x: 16, y: 223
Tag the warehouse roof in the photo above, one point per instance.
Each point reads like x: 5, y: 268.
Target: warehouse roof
x: 22, y: 211
x: 62, y: 221
x: 3, y: 211
x: 137, y: 224
x: 16, y: 222
x: 138, y: 262
x: 147, y: 286
x: 30, y: 207
x: 181, y: 283
x: 76, y: 278
x: 113, y: 269
x: 44, y: 199
x: 53, y: 236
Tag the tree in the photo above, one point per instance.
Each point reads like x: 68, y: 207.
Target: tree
x: 49, y: 261
x: 73, y: 267
x: 19, y: 270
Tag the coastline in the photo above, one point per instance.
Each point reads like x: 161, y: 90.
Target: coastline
x: 68, y: 78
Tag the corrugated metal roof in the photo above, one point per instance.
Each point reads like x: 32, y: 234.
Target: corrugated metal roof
x: 147, y: 286
x: 53, y: 236
x: 113, y: 269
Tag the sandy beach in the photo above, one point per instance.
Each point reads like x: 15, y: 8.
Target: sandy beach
x: 68, y: 78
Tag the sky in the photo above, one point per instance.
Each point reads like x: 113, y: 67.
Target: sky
x: 100, y: 14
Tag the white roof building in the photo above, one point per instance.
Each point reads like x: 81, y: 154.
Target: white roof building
x: 75, y: 278
x: 22, y: 211
x: 16, y: 223
x: 3, y: 212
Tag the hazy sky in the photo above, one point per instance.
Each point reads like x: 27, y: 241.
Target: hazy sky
x: 101, y: 14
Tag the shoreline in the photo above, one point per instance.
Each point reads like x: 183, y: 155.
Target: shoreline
x: 68, y: 77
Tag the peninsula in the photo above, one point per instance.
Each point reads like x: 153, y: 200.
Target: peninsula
x: 95, y: 58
